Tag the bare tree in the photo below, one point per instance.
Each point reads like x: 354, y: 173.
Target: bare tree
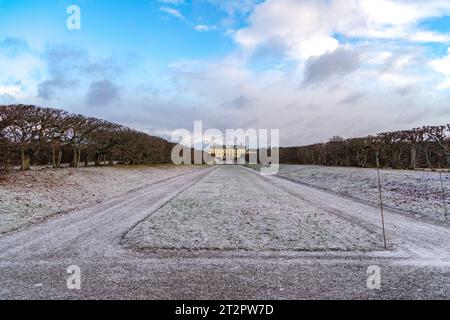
x: 76, y: 134
x: 23, y: 131
x: 441, y: 135
x: 5, y: 145
x: 413, y: 138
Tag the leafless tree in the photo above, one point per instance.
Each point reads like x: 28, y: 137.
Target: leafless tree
x: 441, y: 135
x: 44, y: 135
x: 407, y: 149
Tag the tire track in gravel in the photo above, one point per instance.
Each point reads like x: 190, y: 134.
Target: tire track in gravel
x: 94, y: 230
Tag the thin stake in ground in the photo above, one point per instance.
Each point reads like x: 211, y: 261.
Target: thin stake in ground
x: 382, y: 208
x: 443, y: 196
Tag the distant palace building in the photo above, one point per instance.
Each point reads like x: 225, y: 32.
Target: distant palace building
x: 228, y: 152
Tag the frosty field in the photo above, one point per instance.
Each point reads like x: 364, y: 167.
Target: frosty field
x: 28, y: 197
x: 231, y: 210
x: 417, y: 193
x: 222, y: 232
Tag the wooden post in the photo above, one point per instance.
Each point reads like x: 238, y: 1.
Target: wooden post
x: 381, y: 206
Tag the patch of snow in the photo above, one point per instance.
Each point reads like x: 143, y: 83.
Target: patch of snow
x: 233, y: 209
x: 29, y: 197
x: 417, y: 193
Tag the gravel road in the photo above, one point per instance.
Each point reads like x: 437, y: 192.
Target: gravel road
x: 33, y: 261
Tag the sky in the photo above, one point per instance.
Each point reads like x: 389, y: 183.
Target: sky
x: 312, y: 69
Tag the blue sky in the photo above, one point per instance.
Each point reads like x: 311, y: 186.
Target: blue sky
x: 309, y: 68
x: 120, y: 27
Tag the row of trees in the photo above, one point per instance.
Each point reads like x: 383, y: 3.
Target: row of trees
x: 30, y: 134
x: 426, y: 147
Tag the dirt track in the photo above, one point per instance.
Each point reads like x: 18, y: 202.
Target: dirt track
x: 33, y: 261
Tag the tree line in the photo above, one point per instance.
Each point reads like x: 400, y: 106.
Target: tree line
x: 45, y: 136
x: 425, y: 147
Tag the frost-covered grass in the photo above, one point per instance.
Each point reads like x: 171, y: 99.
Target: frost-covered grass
x: 28, y: 197
x: 233, y: 209
x: 418, y: 193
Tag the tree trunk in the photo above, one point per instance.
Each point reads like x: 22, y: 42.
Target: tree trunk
x: 25, y: 157
x: 86, y: 160
x: 427, y: 159
x: 394, y: 160
x: 377, y: 159
x: 79, y: 157
x: 54, y: 157
x: 97, y: 160
x: 75, y: 158
x: 58, y: 158
x: 7, y: 160
x: 412, y: 165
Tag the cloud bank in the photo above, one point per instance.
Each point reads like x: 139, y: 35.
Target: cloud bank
x: 313, y: 69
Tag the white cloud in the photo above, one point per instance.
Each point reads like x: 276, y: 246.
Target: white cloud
x: 384, y: 85
x: 428, y: 36
x: 234, y: 7
x: 19, y: 74
x: 205, y: 28
x: 299, y: 25
x: 445, y: 84
x: 387, y: 19
x: 231, y: 95
x: 173, y: 12
x: 10, y: 90
x: 388, y: 12
x: 175, y: 2
x: 442, y: 66
x: 308, y: 27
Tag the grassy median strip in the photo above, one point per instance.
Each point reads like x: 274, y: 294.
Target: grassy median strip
x: 232, y: 209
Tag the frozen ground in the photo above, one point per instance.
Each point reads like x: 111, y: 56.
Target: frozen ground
x: 28, y: 197
x: 418, y: 193
x: 231, y: 210
x: 34, y: 260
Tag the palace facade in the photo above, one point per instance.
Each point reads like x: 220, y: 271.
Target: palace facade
x: 228, y: 152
